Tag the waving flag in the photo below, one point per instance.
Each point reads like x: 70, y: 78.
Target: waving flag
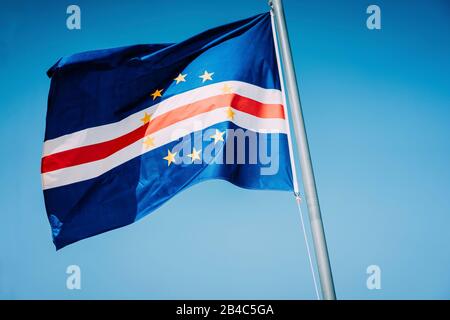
x: 129, y: 128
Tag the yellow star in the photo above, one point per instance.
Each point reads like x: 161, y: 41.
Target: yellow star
x: 170, y: 157
x: 149, y: 142
x: 218, y: 136
x: 226, y: 88
x: 147, y: 117
x: 180, y: 78
x: 230, y: 113
x: 195, y: 155
x: 157, y: 93
x: 206, y: 76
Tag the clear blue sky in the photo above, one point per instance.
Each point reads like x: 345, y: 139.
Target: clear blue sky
x: 377, y: 109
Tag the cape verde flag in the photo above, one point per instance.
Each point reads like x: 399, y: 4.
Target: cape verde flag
x: 128, y: 128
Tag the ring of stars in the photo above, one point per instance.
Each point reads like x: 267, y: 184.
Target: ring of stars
x: 149, y: 142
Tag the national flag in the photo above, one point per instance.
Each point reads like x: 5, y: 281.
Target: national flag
x: 129, y: 128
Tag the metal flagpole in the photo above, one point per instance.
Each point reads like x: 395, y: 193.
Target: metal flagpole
x: 320, y: 245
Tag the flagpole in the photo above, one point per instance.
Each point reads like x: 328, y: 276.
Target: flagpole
x: 309, y: 184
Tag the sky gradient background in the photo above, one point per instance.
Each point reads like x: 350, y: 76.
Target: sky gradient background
x: 377, y: 110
